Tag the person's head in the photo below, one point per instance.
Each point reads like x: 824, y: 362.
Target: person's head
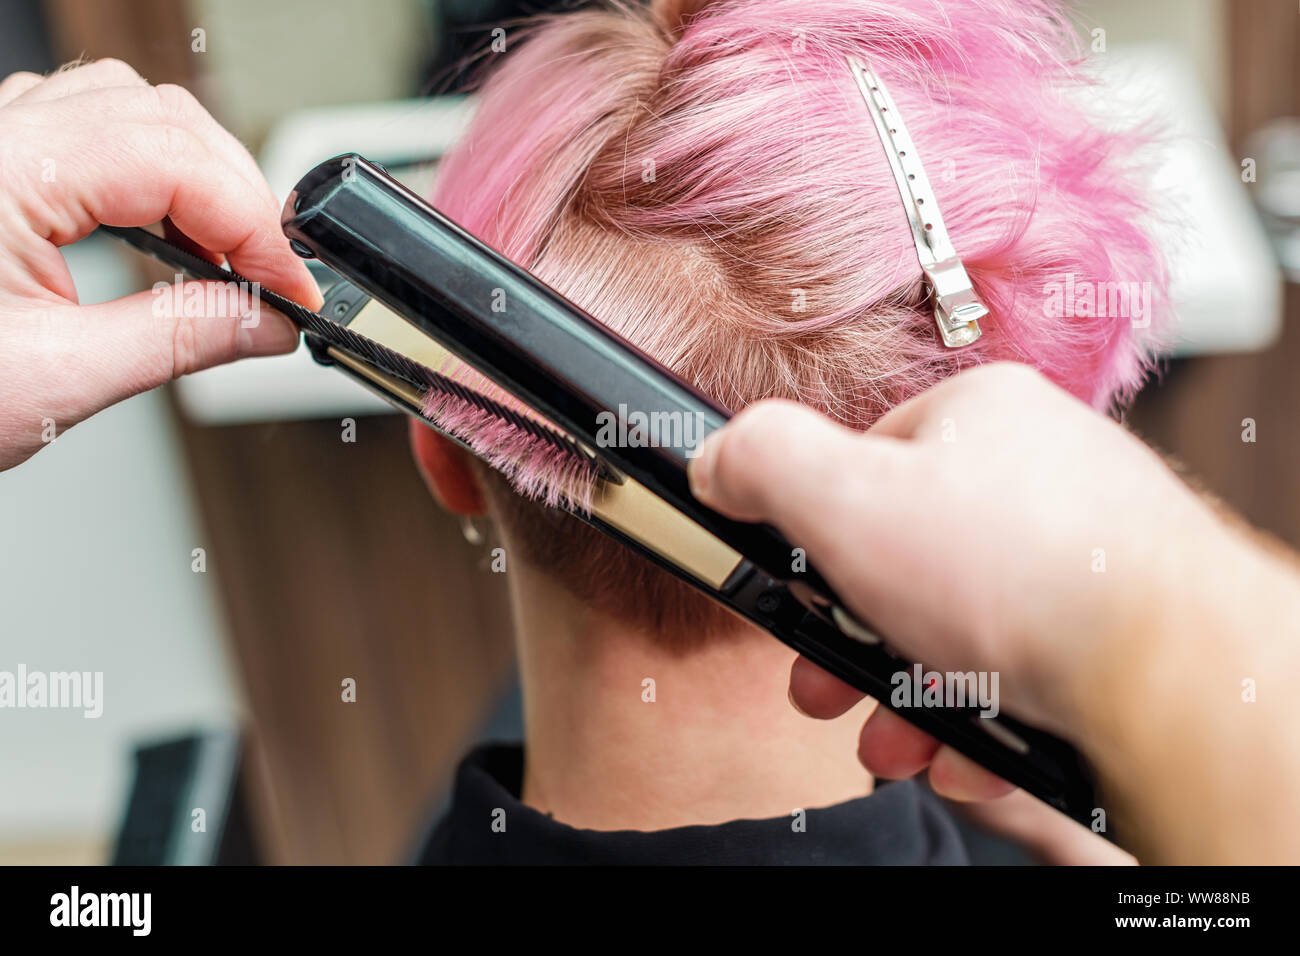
x: 704, y: 178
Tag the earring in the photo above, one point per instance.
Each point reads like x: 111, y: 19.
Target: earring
x: 471, y: 530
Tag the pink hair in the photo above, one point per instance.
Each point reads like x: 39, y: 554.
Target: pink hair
x: 704, y: 179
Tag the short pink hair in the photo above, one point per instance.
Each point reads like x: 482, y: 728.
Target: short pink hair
x: 704, y: 179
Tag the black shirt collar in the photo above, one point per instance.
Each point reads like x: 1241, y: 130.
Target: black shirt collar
x: 900, y: 823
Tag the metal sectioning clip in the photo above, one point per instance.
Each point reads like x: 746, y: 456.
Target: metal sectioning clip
x: 957, y: 309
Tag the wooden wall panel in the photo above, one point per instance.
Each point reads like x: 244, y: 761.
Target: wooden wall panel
x: 334, y: 562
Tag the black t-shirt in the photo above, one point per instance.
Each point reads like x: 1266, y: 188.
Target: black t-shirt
x: 900, y: 823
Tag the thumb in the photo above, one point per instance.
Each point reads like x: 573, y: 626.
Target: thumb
x: 143, y: 340
x: 822, y: 484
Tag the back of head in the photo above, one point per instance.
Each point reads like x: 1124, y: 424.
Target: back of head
x: 704, y: 178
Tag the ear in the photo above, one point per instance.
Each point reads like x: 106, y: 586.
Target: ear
x: 446, y: 469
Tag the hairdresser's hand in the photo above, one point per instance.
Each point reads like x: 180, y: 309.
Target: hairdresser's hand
x: 97, y: 144
x: 992, y: 523
x: 996, y: 524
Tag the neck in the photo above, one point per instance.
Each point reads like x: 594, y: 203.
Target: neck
x: 621, y: 734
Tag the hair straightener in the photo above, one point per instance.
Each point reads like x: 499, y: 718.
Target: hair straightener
x: 419, y: 288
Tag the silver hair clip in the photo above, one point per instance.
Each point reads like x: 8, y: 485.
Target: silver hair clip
x: 957, y: 309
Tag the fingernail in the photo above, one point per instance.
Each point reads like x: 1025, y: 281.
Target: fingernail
x: 266, y: 332
x: 794, y: 703
x: 699, y: 470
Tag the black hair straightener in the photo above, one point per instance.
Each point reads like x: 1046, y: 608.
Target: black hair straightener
x: 418, y: 287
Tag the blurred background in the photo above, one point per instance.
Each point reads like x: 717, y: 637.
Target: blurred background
x: 227, y: 560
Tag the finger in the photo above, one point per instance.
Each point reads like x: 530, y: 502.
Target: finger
x: 16, y: 84
x: 99, y: 74
x: 168, y: 103
x: 783, y: 462
x: 922, y: 415
x: 112, y: 88
x: 787, y: 465
x: 892, y: 748
x: 818, y: 694
x: 159, y: 170
x: 178, y: 238
x: 805, y: 446
x: 911, y: 418
x: 957, y: 777
x: 1053, y: 837
x: 146, y: 339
